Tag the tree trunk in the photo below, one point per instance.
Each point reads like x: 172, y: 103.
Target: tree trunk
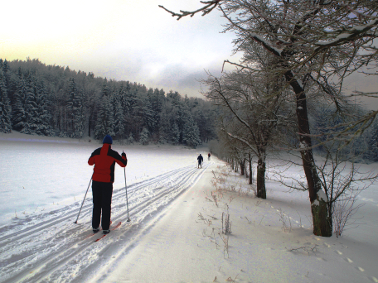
x: 242, y: 167
x: 261, y: 192
x: 322, y: 223
x: 250, y: 169
x: 89, y: 127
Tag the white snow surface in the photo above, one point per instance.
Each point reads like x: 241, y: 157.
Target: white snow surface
x: 175, y: 233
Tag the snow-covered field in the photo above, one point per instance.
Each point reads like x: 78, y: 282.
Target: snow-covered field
x: 45, y: 173
x: 175, y: 229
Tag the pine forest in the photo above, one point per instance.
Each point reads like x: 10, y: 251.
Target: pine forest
x: 55, y: 101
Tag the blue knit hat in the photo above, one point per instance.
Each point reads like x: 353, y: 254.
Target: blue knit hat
x: 107, y: 139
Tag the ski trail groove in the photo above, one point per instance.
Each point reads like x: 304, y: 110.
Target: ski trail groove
x: 43, y: 250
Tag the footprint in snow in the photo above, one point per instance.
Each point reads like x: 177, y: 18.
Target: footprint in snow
x: 347, y: 259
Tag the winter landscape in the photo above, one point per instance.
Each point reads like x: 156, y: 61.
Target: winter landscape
x: 283, y: 94
x: 175, y: 233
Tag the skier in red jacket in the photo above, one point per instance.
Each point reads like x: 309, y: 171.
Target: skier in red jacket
x: 104, y: 159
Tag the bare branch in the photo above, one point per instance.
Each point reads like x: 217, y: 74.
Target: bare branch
x: 206, y: 9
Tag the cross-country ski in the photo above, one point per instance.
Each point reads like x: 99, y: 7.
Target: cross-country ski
x: 112, y: 229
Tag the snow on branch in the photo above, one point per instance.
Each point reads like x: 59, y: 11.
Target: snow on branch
x: 350, y: 35
x: 360, y: 15
x: 206, y: 9
x: 266, y: 44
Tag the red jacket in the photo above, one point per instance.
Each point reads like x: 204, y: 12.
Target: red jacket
x: 104, y: 159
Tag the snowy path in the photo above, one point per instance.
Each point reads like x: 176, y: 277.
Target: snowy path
x: 51, y: 248
x: 184, y: 242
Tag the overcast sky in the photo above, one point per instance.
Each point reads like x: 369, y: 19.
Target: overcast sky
x: 131, y: 40
x: 119, y: 39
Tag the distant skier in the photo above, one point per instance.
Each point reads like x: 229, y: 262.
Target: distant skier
x: 200, y: 160
x: 208, y: 156
x: 104, y: 159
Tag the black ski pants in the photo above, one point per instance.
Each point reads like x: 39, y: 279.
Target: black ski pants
x: 102, y: 202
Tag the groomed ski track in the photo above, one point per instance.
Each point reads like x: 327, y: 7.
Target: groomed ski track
x: 49, y: 247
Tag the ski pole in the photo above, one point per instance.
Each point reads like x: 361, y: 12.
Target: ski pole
x: 127, y: 200
x: 83, y: 200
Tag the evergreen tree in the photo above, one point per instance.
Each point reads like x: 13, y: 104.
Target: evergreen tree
x: 203, y: 115
x: 75, y: 110
x: 165, y: 127
x: 105, y: 117
x: 44, y: 116
x: 119, y: 117
x: 156, y: 99
x: 128, y: 94
x: 177, y: 113
x: 175, y: 134
x: 119, y: 123
x: 144, y: 112
x: 5, y: 108
x: 18, y: 109
x: 72, y: 92
x: 31, y: 109
x: 144, y: 136
x: 130, y: 139
x: 190, y: 134
x: 4, y: 65
x: 78, y: 114
x: 103, y: 126
x: 372, y: 153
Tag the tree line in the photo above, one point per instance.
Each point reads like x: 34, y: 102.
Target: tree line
x: 55, y: 101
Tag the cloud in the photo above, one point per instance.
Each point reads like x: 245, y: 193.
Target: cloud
x: 122, y: 40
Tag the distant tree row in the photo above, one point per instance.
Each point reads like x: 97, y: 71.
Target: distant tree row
x: 56, y: 101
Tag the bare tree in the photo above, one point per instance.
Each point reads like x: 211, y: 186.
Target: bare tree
x: 341, y: 179
x: 316, y: 43
x: 254, y: 107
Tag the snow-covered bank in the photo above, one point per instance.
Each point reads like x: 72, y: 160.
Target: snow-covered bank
x: 270, y: 241
x: 175, y: 233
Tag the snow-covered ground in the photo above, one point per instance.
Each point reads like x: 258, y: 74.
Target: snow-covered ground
x: 44, y: 173
x: 175, y: 233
